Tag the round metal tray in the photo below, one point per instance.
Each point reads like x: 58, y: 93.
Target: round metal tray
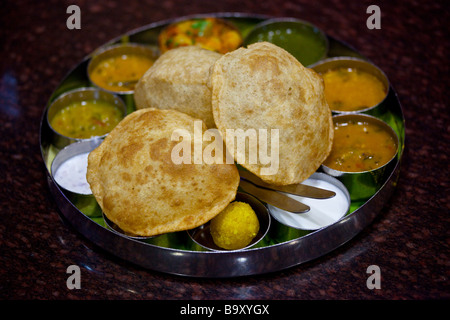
x: 176, y: 254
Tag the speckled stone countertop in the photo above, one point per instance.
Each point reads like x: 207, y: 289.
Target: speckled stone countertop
x: 409, y: 239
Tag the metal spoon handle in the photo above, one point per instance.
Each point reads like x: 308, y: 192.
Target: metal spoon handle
x: 295, y: 189
x: 274, y: 198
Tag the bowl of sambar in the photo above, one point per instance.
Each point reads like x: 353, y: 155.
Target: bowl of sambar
x: 363, y: 148
x: 353, y: 85
x: 119, y: 67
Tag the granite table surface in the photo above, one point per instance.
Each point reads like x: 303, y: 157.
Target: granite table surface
x: 408, y: 240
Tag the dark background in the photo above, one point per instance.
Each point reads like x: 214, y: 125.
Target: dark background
x: 408, y: 240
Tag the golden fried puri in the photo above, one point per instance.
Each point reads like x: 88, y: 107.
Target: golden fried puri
x: 142, y: 190
x: 265, y: 87
x: 178, y: 80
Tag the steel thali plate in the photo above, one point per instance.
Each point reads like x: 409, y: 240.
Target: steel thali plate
x: 175, y: 253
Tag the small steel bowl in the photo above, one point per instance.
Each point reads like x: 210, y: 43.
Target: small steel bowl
x: 69, y: 152
x: 323, y: 212
x: 199, y: 35
x: 202, y: 236
x: 297, y: 37
x: 364, y: 184
x: 118, y: 50
x: 323, y: 66
x: 82, y: 94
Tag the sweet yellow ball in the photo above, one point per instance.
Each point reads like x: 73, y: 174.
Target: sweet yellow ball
x: 235, y: 227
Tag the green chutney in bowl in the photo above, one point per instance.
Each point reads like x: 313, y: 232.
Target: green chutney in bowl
x: 303, y: 40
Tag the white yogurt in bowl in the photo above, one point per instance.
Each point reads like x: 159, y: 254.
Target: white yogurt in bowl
x: 323, y: 212
x: 69, y: 167
x: 71, y: 174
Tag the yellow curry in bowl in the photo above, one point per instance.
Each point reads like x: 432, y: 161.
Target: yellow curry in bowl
x: 121, y: 72
x: 350, y: 89
x: 353, y: 85
x: 118, y: 68
x: 84, y: 113
x: 86, y: 119
x: 360, y: 144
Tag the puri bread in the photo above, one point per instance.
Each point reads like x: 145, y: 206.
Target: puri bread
x: 264, y: 87
x: 141, y: 189
x: 178, y: 80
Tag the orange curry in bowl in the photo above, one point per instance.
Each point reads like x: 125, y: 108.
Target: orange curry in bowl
x: 360, y: 146
x: 350, y: 89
